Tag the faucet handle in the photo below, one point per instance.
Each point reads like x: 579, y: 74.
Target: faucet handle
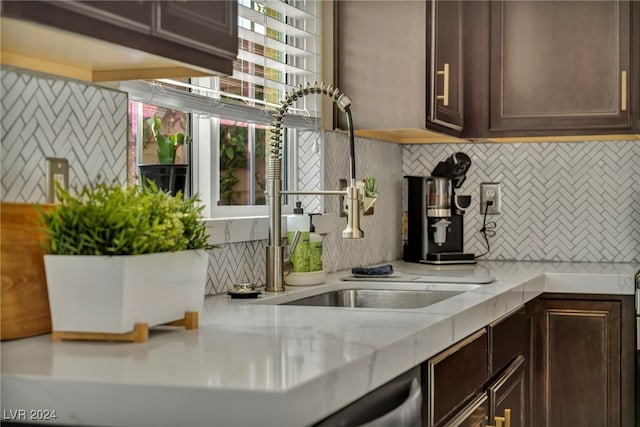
x: 293, y: 244
x: 292, y: 247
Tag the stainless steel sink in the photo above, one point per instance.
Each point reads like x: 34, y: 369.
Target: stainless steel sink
x: 375, y: 298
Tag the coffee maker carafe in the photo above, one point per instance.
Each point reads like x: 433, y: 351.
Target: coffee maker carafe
x: 434, y: 228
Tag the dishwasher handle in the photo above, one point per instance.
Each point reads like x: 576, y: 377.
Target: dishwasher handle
x: 408, y: 414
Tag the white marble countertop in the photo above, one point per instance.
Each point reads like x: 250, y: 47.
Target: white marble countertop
x: 252, y: 363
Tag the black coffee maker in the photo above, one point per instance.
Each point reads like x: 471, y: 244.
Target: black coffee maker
x: 433, y: 214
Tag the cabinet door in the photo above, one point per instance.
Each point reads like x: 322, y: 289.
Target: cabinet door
x: 205, y: 25
x: 560, y: 65
x: 508, y: 396
x: 446, y: 95
x: 509, y: 337
x: 134, y: 15
x: 455, y: 376
x: 578, y: 363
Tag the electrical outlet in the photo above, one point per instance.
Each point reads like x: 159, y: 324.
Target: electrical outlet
x: 57, y: 171
x: 490, y: 192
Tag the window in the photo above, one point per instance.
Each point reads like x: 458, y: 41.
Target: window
x: 229, y: 117
x: 242, y: 163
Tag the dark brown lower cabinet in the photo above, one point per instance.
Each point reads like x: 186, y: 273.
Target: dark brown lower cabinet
x: 511, y: 341
x: 475, y: 380
x: 583, y: 361
x: 561, y: 360
x: 503, y: 403
x: 508, y: 396
x: 473, y: 415
x: 455, y: 376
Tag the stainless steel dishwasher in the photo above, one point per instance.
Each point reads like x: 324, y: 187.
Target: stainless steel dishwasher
x: 397, y: 403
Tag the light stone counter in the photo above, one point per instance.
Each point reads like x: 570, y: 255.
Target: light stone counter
x: 252, y: 363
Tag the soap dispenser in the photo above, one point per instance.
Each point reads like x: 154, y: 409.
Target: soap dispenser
x: 299, y: 222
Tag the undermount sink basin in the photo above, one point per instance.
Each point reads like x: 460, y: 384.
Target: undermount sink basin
x: 375, y: 298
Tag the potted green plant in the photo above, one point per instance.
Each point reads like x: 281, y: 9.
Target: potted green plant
x: 370, y: 190
x: 122, y: 257
x: 166, y: 173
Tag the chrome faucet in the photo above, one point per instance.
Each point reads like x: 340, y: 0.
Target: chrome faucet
x: 275, y: 250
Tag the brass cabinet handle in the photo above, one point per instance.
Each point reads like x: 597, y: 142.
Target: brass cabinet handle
x: 623, y: 90
x: 445, y: 94
x: 503, y: 421
x: 507, y: 417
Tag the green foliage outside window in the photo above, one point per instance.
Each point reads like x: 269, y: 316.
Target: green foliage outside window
x: 234, y: 160
x: 233, y: 156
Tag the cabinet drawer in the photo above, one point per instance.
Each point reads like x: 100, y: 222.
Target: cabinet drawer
x: 455, y: 375
x: 509, y: 337
x: 475, y: 414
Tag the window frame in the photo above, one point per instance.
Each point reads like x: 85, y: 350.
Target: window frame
x: 205, y: 154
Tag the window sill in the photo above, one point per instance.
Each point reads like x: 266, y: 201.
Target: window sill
x: 247, y: 229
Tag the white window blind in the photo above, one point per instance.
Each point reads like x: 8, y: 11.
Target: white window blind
x: 278, y: 47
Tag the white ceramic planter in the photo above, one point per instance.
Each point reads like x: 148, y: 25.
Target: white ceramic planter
x: 111, y: 294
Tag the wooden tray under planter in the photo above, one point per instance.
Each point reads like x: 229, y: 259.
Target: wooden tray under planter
x: 140, y: 331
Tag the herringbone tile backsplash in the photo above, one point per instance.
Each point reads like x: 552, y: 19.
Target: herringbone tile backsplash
x: 309, y: 168
x: 573, y: 201
x: 43, y: 117
x: 566, y: 201
x: 234, y: 263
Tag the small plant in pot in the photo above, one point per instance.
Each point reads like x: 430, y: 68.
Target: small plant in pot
x: 370, y: 187
x: 123, y: 259
x: 166, y: 173
x: 370, y: 190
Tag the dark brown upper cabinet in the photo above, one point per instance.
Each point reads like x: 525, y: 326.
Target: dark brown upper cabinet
x: 528, y: 68
x: 145, y: 39
x: 446, y: 76
x: 210, y: 26
x: 134, y: 15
